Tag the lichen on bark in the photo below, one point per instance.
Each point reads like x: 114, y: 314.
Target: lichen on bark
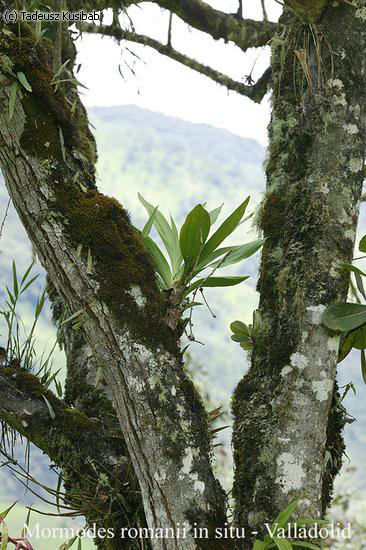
x: 283, y: 426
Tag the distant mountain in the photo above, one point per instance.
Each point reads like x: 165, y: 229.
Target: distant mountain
x: 177, y: 164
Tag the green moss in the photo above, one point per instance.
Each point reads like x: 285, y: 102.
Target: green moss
x: 103, y: 227
x: 49, y: 106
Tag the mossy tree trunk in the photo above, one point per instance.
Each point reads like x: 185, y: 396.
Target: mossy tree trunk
x: 97, y: 263
x: 285, y: 419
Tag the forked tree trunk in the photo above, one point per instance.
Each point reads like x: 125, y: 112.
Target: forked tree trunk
x: 98, y: 265
x: 284, y: 424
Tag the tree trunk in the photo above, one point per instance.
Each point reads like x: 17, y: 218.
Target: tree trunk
x: 284, y: 423
x: 98, y: 266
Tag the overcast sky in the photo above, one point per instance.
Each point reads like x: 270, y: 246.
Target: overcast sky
x: 163, y: 85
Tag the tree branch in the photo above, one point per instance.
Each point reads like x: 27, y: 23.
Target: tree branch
x: 81, y: 446
x: 256, y: 92
x: 245, y: 33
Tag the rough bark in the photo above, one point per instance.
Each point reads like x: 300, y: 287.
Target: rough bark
x: 97, y: 264
x: 81, y: 446
x: 284, y: 423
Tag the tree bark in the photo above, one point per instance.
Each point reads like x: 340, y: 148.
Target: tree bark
x: 97, y: 264
x: 284, y: 419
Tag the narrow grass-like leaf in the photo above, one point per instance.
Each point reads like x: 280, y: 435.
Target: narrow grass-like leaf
x: 225, y: 229
x: 346, y: 344
x: 24, y: 82
x: 61, y: 69
x: 285, y: 514
x: 31, y: 281
x: 147, y: 228
x: 344, y: 316
x: 214, y: 214
x: 5, y: 512
x: 40, y: 304
x: 160, y: 263
x: 49, y: 407
x: 12, y: 98
x: 58, y: 387
x: 192, y: 304
x: 240, y: 253
x: 15, y: 280
x: 162, y: 226
x: 359, y: 284
x: 193, y: 235
x: 28, y: 270
x: 363, y: 365
x: 71, y: 317
x: 215, y: 282
x: 177, y: 258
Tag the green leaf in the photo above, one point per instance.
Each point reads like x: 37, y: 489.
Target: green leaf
x: 359, y: 283
x: 362, y: 244
x: 40, y: 304
x: 215, y: 282
x: 177, y: 256
x: 237, y: 338
x: 240, y: 253
x: 71, y: 317
x: 305, y: 544
x: 352, y: 268
x: 360, y: 337
x: 282, y: 544
x: 192, y: 304
x: 23, y: 80
x: 28, y: 270
x: 259, y: 545
x: 51, y: 412
x: 61, y: 69
x: 285, y: 514
x: 147, y: 228
x: 344, y: 316
x: 246, y: 343
x: 346, y: 344
x: 5, y: 513
x: 15, y: 280
x: 239, y: 328
x: 12, y: 98
x: 225, y: 229
x: 31, y: 281
x: 163, y: 228
x: 160, y: 263
x: 214, y: 214
x: 193, y: 235
x: 363, y: 365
